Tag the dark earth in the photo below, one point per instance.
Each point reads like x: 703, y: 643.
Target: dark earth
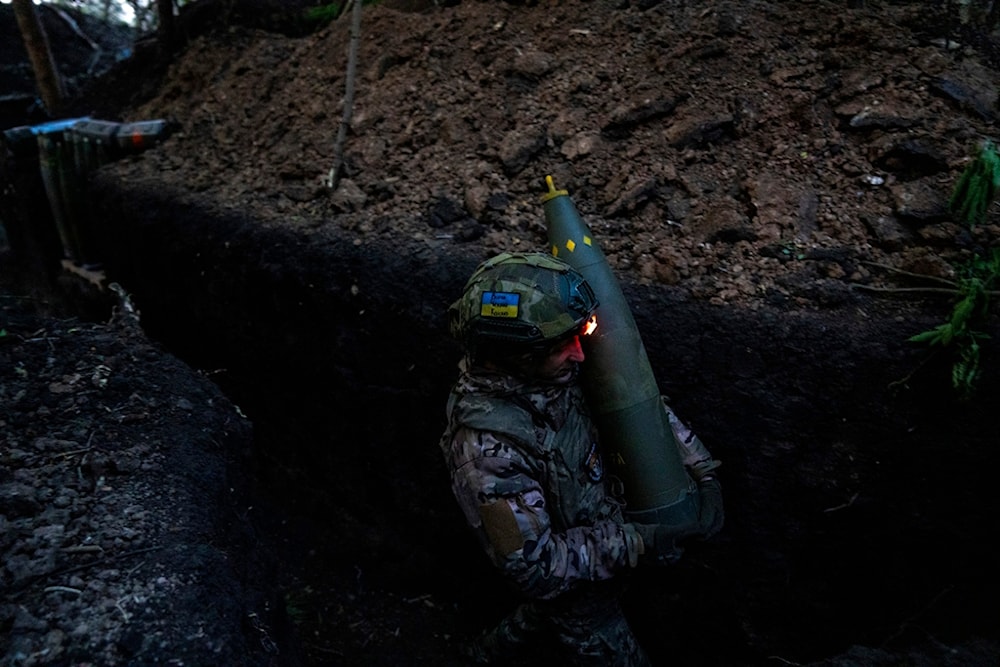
x: 220, y: 442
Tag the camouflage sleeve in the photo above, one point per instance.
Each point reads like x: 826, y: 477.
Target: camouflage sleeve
x: 503, y: 500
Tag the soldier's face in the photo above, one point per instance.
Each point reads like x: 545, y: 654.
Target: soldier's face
x: 562, y: 363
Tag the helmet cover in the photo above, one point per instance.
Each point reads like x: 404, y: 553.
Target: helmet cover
x: 522, y: 298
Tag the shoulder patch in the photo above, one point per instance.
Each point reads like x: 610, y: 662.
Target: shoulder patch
x: 594, y: 464
x: 501, y: 527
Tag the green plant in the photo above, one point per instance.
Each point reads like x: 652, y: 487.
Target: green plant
x: 321, y: 15
x: 962, y: 331
x: 324, y: 14
x: 977, y: 186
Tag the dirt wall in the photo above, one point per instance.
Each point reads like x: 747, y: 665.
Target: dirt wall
x: 857, y: 486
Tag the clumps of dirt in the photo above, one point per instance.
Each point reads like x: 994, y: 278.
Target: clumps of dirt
x: 744, y: 153
x: 118, y: 529
x: 748, y: 153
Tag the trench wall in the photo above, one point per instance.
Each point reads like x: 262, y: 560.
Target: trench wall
x: 858, y: 506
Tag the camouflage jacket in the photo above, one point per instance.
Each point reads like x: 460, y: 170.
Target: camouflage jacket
x: 527, y: 473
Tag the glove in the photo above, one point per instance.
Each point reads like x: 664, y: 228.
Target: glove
x: 660, y: 542
x: 710, y: 511
x: 663, y: 544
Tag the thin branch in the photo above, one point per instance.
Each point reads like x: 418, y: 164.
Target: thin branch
x: 119, y: 607
x: 896, y: 290
x: 917, y: 290
x: 903, y: 381
x: 919, y: 276
x: 84, y: 549
x: 77, y: 568
x: 842, y: 505
x: 75, y: 27
x: 909, y: 622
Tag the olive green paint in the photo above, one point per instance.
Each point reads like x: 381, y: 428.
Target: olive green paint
x: 619, y: 382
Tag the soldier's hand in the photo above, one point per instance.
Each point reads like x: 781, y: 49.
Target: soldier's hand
x: 660, y: 542
x: 710, y: 511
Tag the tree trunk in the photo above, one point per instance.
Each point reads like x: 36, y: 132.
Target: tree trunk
x: 37, y: 45
x: 165, y: 27
x: 352, y: 65
x: 993, y: 16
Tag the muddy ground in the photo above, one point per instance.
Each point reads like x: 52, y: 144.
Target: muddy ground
x: 753, y: 171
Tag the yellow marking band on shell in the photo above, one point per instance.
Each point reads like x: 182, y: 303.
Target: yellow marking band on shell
x: 570, y: 245
x: 587, y: 240
x: 499, y: 304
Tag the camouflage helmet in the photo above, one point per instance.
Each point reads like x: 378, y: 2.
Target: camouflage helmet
x: 521, y: 298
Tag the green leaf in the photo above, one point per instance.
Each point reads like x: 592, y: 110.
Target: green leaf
x: 932, y: 337
x: 976, y: 187
x: 966, y: 369
x: 962, y: 311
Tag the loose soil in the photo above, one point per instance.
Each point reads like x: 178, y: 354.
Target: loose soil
x: 746, y: 152
x: 761, y: 175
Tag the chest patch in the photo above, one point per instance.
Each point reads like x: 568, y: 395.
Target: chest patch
x: 594, y: 464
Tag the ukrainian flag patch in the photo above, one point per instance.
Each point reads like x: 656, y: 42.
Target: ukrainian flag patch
x: 500, y: 304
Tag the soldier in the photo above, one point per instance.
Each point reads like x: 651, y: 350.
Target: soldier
x: 526, y: 466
